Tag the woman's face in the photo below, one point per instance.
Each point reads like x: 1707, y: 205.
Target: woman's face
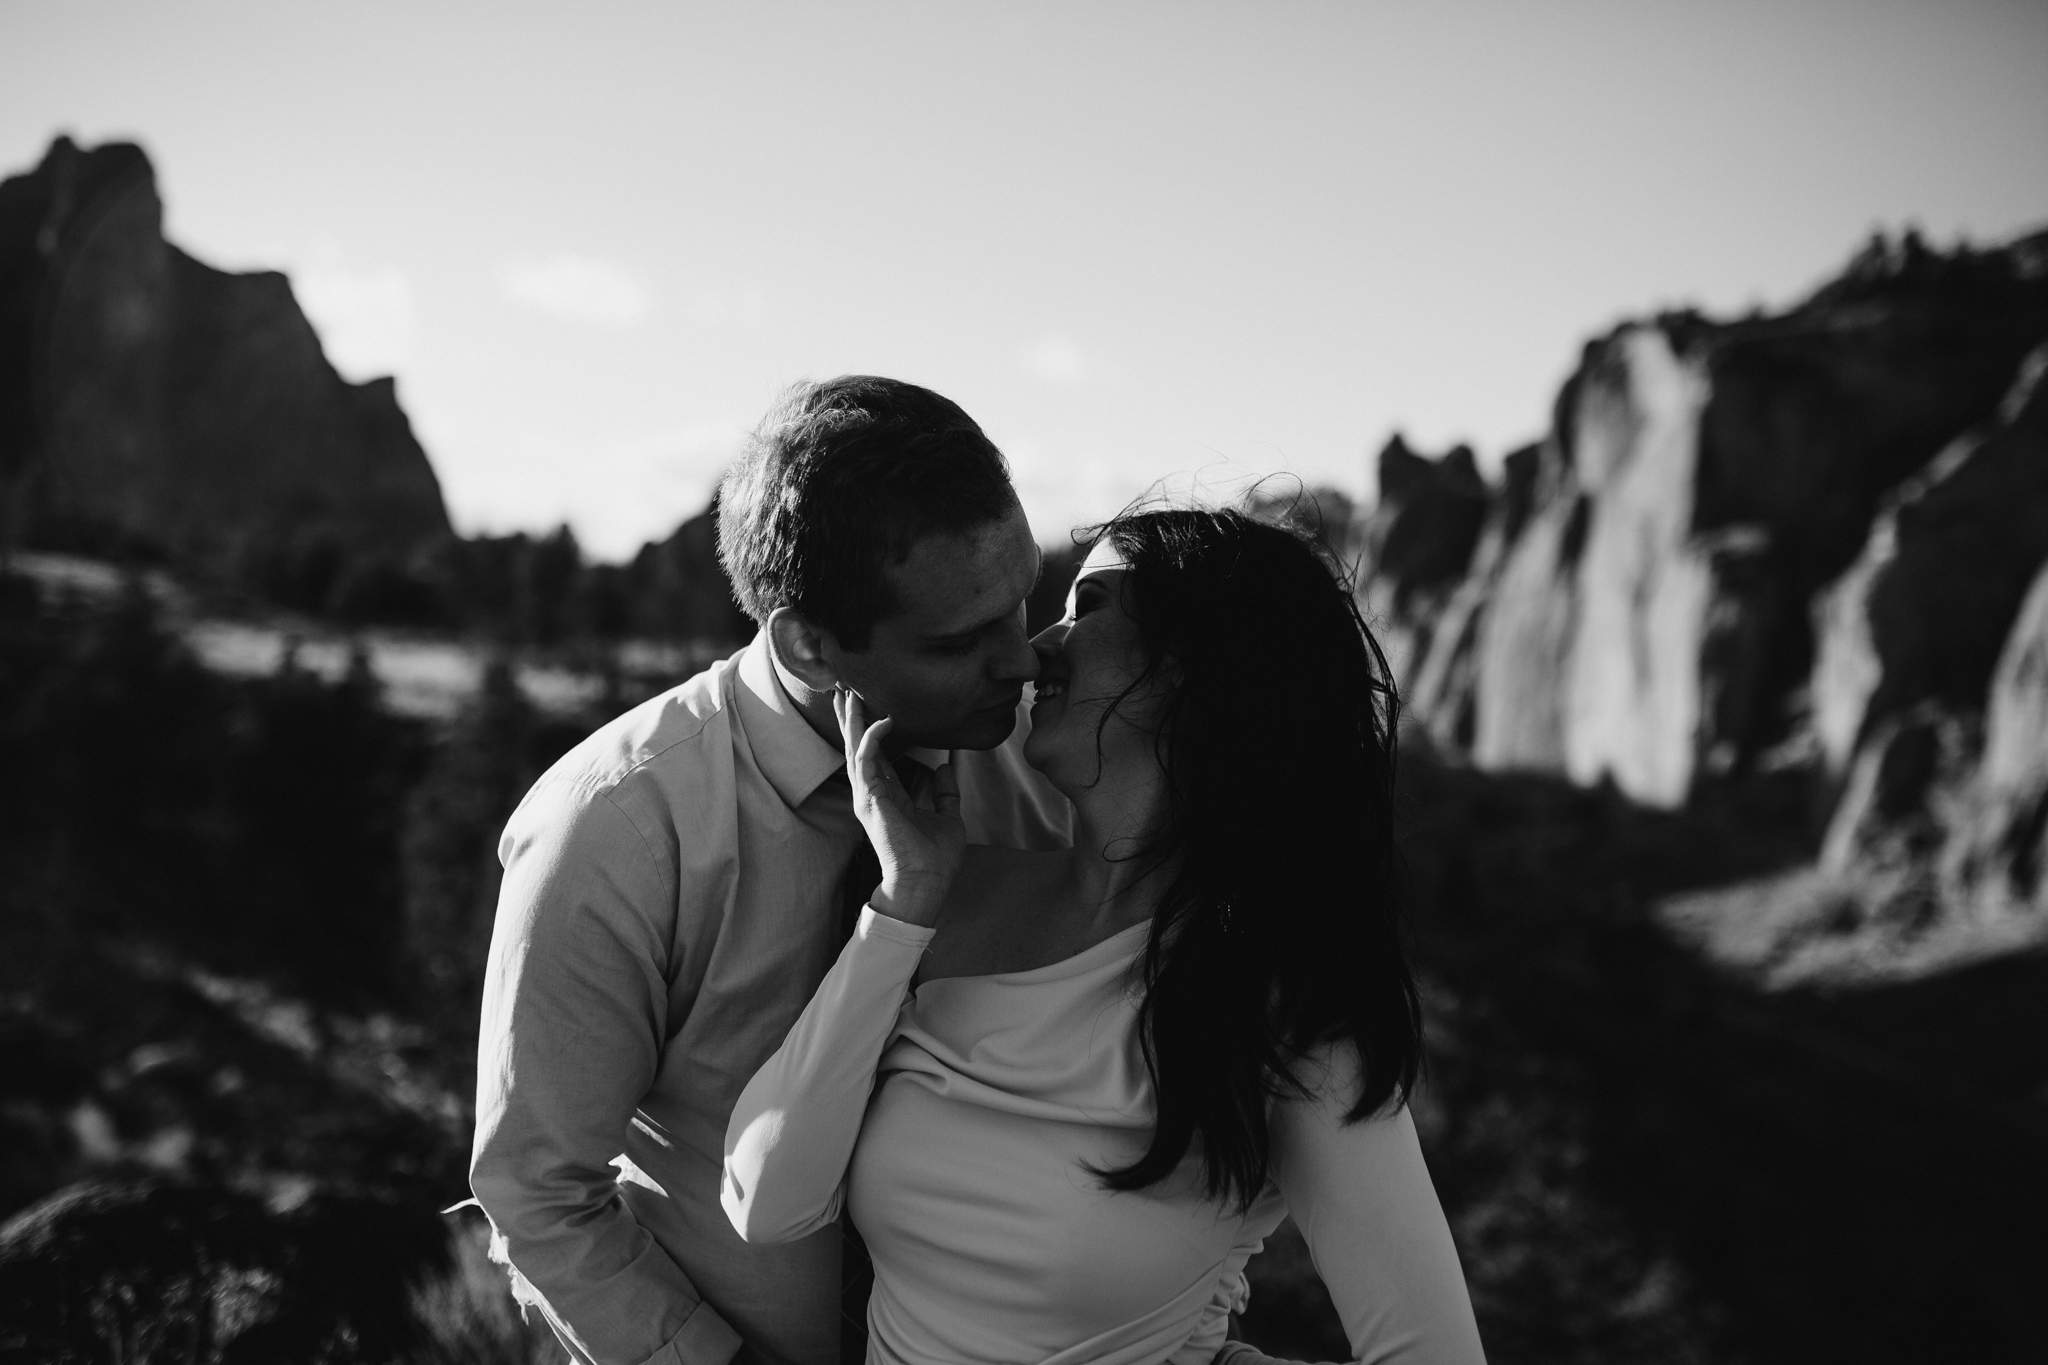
x: 1087, y: 660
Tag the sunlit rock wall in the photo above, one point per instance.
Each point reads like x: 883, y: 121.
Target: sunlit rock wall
x: 1926, y: 608
x: 1642, y: 601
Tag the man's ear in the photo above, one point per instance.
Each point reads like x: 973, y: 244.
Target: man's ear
x: 800, y: 647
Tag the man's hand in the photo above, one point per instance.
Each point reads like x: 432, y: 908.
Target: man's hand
x: 919, y: 844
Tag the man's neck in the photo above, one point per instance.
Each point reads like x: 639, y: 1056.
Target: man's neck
x: 814, y: 707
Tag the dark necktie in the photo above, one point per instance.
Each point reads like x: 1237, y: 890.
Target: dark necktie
x: 864, y: 873
x: 856, y: 1271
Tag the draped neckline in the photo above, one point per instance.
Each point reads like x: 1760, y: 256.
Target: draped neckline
x: 1096, y: 954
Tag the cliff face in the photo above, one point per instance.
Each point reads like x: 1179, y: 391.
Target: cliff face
x: 1793, y: 539
x: 1639, y: 603
x: 151, y: 403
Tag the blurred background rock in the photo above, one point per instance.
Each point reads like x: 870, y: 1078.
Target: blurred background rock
x: 1725, y: 785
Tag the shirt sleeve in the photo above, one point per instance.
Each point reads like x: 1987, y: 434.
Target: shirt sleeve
x: 791, y: 1136
x: 1362, y: 1197
x: 575, y: 1009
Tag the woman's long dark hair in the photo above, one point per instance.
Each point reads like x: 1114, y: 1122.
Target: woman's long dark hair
x: 1280, y: 927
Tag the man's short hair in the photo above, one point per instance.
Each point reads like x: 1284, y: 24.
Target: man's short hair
x: 837, y: 483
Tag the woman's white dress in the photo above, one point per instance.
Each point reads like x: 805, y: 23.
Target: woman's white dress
x: 958, y: 1124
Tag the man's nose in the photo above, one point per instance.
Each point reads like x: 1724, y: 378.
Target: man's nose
x: 1018, y: 659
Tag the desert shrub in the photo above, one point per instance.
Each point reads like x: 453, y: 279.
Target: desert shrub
x: 479, y: 771
x: 155, y: 1270
x: 252, y: 825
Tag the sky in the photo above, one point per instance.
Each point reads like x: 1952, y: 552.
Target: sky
x: 1177, y: 244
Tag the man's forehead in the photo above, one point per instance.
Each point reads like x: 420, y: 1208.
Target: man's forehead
x: 953, y: 583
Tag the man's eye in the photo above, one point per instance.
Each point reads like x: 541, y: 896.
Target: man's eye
x: 961, y: 646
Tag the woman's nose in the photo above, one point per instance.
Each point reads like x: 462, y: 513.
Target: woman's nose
x: 1050, y: 644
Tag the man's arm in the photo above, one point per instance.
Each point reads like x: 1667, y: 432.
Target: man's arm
x: 575, y: 1010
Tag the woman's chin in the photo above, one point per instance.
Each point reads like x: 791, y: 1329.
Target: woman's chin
x: 1039, y: 752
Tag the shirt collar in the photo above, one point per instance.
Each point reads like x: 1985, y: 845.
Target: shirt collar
x: 794, y: 758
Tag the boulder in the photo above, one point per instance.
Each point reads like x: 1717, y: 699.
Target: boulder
x: 152, y: 404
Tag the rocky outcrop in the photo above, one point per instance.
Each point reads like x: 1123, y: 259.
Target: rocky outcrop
x: 1639, y: 606
x: 149, y: 403
x: 1812, y: 542
x: 1441, y: 685
x: 1924, y: 611
x: 678, y: 589
x: 1995, y: 861
x: 1419, y: 537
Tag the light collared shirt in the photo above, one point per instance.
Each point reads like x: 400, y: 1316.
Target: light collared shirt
x: 671, y: 900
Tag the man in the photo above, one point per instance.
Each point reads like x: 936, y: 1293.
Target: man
x: 677, y: 885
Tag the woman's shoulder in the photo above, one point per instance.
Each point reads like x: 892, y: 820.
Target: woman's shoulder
x: 1330, y: 1076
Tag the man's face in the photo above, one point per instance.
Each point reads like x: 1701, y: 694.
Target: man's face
x: 950, y: 663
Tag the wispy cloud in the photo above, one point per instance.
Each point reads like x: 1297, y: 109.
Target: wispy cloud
x: 576, y: 289
x: 732, y: 307
x: 1058, y: 359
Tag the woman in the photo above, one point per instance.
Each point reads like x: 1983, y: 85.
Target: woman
x: 1064, y: 1096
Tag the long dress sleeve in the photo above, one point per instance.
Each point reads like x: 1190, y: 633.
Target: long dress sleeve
x: 791, y: 1135
x: 1362, y: 1197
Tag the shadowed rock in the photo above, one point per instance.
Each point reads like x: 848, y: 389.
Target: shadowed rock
x: 149, y: 403
x: 1442, y: 682
x: 1996, y: 861
x: 1418, y: 543
x: 1927, y: 606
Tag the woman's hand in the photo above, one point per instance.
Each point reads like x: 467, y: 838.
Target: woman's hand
x: 920, y: 846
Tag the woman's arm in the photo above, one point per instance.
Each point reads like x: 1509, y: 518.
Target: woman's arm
x: 1362, y: 1197
x: 791, y: 1135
